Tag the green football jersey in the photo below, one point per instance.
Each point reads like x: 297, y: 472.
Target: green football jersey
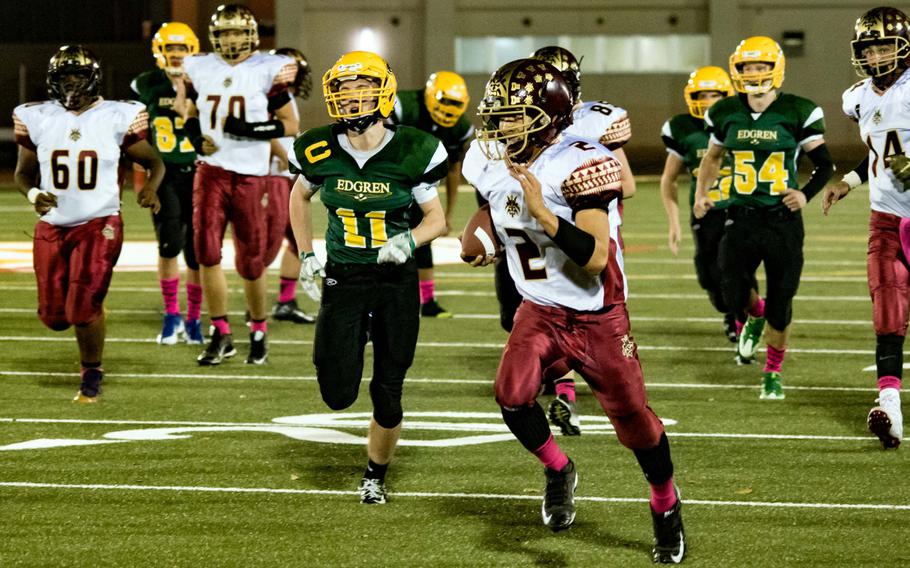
x: 411, y: 110
x: 366, y: 205
x: 764, y: 147
x: 686, y: 137
x: 156, y: 92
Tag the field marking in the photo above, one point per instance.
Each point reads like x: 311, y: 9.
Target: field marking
x: 440, y: 495
x: 411, y: 380
x: 452, y: 345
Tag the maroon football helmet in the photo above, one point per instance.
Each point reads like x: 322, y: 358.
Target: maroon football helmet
x: 526, y: 104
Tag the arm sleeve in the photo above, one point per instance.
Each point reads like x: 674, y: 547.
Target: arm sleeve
x: 824, y: 169
x: 593, y: 184
x: 862, y: 169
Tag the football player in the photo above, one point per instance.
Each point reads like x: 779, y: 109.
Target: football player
x: 438, y: 109
x: 549, y: 196
x: 879, y: 105
x: 609, y: 125
x: 237, y: 88
x: 73, y: 145
x: 764, y: 131
x: 367, y: 173
x: 280, y: 181
x: 174, y: 223
x: 686, y: 140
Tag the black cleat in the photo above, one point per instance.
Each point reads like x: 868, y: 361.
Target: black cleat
x: 220, y: 347
x: 90, y: 388
x: 558, y: 508
x: 564, y: 415
x: 669, y: 536
x: 432, y: 309
x: 289, y: 311
x: 372, y: 492
x: 259, y: 351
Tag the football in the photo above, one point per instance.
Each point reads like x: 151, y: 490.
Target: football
x: 479, y: 237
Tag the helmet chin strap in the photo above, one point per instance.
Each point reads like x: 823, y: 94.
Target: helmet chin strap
x: 361, y: 123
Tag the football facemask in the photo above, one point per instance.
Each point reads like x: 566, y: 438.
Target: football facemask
x: 757, y: 49
x: 705, y: 79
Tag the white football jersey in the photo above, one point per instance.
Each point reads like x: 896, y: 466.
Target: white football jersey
x: 607, y: 124
x: 542, y: 272
x: 79, y: 155
x: 884, y: 126
x: 241, y: 90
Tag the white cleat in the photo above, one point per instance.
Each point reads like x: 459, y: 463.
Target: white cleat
x: 886, y: 420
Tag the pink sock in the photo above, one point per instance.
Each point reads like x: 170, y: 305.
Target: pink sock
x: 663, y: 497
x: 287, y: 290
x: 567, y: 388
x: 222, y: 325
x: 739, y: 327
x: 758, y: 310
x: 774, y: 359
x: 262, y: 326
x: 551, y: 456
x: 889, y: 382
x: 169, y: 289
x: 193, y: 301
x: 427, y: 290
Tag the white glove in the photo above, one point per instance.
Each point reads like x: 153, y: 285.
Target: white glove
x: 397, y: 250
x: 310, y: 268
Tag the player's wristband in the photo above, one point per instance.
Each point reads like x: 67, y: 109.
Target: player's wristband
x: 306, y: 255
x: 255, y: 130
x: 33, y: 194
x: 577, y: 244
x: 852, y: 179
x: 193, y: 130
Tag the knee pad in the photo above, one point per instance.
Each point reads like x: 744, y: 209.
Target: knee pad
x: 335, y: 399
x: 386, y: 399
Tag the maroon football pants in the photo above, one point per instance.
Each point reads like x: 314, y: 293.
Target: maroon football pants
x: 887, y: 268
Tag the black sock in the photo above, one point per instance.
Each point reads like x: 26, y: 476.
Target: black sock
x: 86, y: 365
x: 889, y: 355
x: 655, y: 462
x: 375, y: 470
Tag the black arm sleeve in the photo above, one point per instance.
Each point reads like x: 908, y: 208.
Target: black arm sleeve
x: 824, y: 169
x: 862, y: 169
x: 577, y: 244
x: 278, y: 100
x: 255, y: 130
x: 194, y: 132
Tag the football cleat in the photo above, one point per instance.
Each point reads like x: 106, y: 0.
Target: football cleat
x: 749, y: 338
x: 771, y: 388
x: 220, y: 347
x: 432, y: 309
x: 886, y: 420
x: 564, y: 415
x: 558, y: 510
x: 289, y: 311
x: 171, y: 330
x: 669, y: 535
x: 372, y: 492
x: 730, y: 327
x: 740, y: 360
x: 259, y: 351
x: 90, y: 388
x: 193, y: 332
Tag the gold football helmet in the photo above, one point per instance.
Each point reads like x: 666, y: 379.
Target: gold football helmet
x: 881, y: 27
x: 757, y: 49
x: 446, y: 97
x: 352, y: 106
x: 705, y: 79
x: 173, y: 33
x: 233, y: 17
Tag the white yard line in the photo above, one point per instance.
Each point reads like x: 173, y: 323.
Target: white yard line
x: 440, y: 495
